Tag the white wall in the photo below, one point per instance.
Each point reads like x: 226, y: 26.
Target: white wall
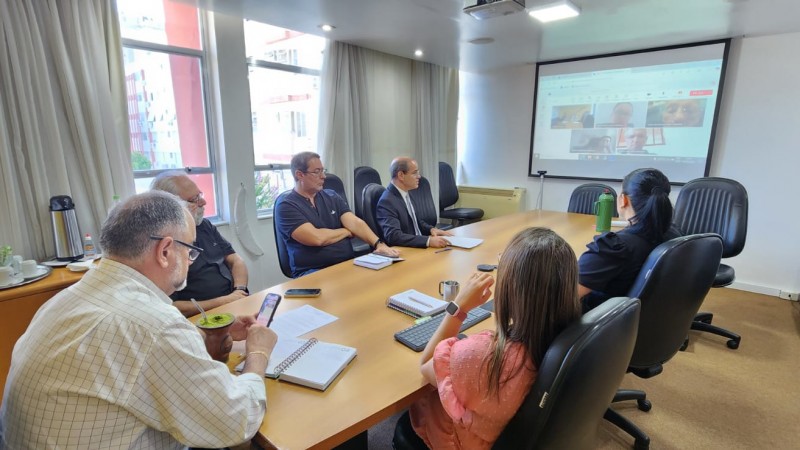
x: 755, y: 145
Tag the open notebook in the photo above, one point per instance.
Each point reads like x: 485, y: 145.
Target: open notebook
x: 463, y: 242
x: 307, y: 362
x: 415, y: 303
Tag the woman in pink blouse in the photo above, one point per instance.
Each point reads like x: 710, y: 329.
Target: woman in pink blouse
x: 482, y: 380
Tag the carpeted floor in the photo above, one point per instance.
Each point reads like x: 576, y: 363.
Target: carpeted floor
x: 709, y: 396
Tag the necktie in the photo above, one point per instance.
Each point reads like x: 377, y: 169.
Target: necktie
x: 413, y: 216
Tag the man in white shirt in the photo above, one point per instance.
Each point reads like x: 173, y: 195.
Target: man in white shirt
x: 110, y: 363
x: 396, y: 213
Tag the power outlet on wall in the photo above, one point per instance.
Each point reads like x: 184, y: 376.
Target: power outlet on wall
x: 793, y: 296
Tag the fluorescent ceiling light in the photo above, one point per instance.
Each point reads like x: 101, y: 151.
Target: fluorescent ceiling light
x: 551, y: 11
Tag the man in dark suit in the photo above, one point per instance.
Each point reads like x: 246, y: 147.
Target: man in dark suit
x: 396, y: 212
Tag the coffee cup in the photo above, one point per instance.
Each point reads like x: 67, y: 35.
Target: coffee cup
x: 29, y: 268
x: 448, y: 290
x: 218, y: 334
x: 6, y: 275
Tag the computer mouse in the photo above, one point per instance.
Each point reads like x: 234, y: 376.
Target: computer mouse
x: 486, y: 267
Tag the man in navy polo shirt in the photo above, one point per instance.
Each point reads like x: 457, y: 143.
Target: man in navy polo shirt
x: 219, y: 275
x: 316, y: 224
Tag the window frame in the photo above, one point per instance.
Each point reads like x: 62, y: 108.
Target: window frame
x: 252, y: 61
x: 210, y: 124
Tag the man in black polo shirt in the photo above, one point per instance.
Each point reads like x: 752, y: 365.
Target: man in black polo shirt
x: 219, y: 275
x: 316, y: 223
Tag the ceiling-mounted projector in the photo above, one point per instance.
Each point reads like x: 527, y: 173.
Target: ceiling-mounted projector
x: 486, y: 9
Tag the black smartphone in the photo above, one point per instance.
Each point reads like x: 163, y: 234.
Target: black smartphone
x: 268, y: 308
x: 302, y: 293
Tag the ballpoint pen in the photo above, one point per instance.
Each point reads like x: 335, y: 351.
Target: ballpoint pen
x: 446, y: 249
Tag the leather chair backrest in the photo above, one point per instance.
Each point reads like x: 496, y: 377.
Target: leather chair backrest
x: 335, y: 183
x: 363, y: 176
x: 448, y: 190
x: 577, y: 380
x: 424, y: 207
x: 369, y: 205
x: 583, y: 198
x: 714, y: 205
x: 280, y: 244
x: 672, y: 284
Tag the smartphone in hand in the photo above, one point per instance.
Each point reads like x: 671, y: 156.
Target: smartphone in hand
x: 303, y: 293
x: 268, y: 308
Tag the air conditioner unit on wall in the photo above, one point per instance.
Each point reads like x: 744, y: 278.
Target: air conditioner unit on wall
x: 494, y: 202
x: 486, y: 9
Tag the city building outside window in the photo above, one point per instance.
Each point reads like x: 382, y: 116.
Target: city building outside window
x: 165, y: 74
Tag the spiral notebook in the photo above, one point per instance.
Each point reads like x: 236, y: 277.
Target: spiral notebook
x: 307, y: 362
x: 415, y: 303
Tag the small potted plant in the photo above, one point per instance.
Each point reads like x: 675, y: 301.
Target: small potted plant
x: 6, y: 256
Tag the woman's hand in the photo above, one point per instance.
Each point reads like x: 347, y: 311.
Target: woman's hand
x: 475, y: 292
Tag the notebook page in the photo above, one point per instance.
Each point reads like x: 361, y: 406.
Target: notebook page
x: 283, y: 348
x: 319, y: 366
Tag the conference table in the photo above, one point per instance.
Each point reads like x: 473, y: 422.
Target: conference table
x: 384, y: 377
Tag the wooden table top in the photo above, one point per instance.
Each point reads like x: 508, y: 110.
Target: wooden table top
x: 60, y: 278
x: 384, y: 378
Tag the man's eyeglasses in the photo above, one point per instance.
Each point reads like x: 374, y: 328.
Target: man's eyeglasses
x: 317, y: 172
x: 194, y: 251
x: 415, y: 173
x: 196, y: 199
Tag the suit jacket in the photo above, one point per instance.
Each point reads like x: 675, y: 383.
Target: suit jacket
x: 395, y: 220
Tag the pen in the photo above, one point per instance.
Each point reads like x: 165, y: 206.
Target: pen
x: 419, y: 301
x: 446, y: 249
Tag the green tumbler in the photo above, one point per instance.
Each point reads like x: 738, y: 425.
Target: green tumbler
x: 604, y: 209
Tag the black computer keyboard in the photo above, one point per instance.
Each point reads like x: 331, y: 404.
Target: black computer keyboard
x: 416, y: 337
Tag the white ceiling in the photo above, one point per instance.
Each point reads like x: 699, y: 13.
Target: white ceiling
x: 442, y: 30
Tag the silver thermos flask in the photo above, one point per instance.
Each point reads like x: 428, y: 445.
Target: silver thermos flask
x: 66, y: 234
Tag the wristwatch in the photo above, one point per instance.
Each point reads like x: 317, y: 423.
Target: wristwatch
x: 379, y: 241
x: 242, y: 288
x: 455, y: 311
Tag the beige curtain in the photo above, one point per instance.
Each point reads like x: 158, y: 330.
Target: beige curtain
x: 436, y: 106
x: 63, y: 117
x: 344, y: 121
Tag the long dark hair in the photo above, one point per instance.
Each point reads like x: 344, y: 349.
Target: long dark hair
x: 648, y: 191
x: 536, y: 296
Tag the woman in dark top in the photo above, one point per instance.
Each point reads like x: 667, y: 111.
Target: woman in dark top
x: 613, y: 260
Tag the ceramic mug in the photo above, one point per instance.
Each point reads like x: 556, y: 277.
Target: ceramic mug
x: 29, y: 268
x: 6, y: 275
x: 448, y: 290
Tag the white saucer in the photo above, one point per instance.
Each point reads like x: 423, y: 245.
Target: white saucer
x: 40, y: 270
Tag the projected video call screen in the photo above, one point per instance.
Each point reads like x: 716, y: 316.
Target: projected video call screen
x: 602, y: 117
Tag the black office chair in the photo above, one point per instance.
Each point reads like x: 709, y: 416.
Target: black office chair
x: 425, y: 208
x: 369, y: 199
x: 575, y: 383
x: 280, y: 244
x: 583, y: 198
x: 672, y: 284
x: 334, y: 182
x: 715, y: 205
x: 363, y: 176
x: 448, y: 196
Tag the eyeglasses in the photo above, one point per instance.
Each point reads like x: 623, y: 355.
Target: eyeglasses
x: 196, y: 199
x: 317, y: 172
x: 415, y: 173
x: 194, y: 251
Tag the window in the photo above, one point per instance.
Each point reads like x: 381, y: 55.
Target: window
x: 284, y: 69
x: 165, y: 76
